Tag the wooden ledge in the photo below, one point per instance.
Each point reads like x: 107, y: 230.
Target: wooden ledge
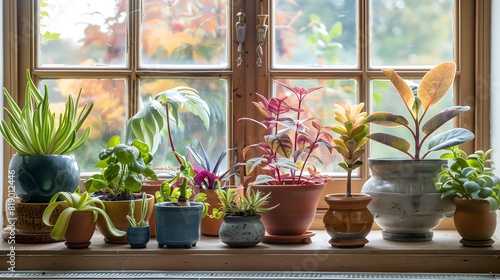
x: 442, y: 255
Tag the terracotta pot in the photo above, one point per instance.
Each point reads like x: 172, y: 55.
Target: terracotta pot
x: 348, y: 220
x: 210, y: 226
x: 80, y: 230
x: 296, y: 210
x: 117, y: 212
x: 474, y: 222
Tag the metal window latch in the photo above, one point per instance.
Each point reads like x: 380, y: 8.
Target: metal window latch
x: 240, y: 35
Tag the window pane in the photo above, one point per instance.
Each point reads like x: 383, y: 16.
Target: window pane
x: 184, y: 33
x: 190, y: 127
x: 411, y: 32
x: 386, y: 98
x: 321, y: 33
x: 319, y: 105
x: 82, y: 33
x: 106, y: 119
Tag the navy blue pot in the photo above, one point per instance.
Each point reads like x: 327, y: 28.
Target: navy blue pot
x: 138, y: 237
x: 178, y: 226
x: 37, y: 178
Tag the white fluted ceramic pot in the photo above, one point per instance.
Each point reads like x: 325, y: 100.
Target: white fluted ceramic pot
x: 406, y: 204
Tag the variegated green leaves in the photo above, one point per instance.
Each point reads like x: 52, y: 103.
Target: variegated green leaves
x: 33, y: 130
x: 467, y: 177
x: 433, y: 87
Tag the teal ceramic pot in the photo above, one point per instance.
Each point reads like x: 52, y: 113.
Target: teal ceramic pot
x: 239, y: 231
x: 138, y: 237
x: 178, y: 226
x: 37, y: 178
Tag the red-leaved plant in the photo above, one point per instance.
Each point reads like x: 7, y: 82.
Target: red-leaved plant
x: 288, y: 144
x: 434, y: 85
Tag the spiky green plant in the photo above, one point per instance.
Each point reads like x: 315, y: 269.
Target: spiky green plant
x: 74, y: 202
x: 33, y: 130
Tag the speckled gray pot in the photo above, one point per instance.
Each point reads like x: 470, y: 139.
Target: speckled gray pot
x: 238, y: 231
x: 406, y: 204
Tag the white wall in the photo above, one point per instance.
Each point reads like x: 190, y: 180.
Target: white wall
x: 495, y: 91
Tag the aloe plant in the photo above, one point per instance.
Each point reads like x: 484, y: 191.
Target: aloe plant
x: 33, y: 130
x: 352, y: 136
x: 433, y: 87
x: 74, y: 202
x: 235, y: 204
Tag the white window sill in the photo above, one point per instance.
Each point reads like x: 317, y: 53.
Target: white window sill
x: 442, y: 255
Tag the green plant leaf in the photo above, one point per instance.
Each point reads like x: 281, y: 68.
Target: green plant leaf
x: 391, y: 141
x: 133, y: 183
x: 386, y: 119
x: 402, y: 87
x: 471, y: 187
x: 263, y: 179
x: 450, y: 138
x: 126, y: 154
x: 485, y: 192
x: 435, y: 84
x: 444, y: 116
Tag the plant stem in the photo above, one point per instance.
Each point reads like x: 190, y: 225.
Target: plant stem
x: 171, y: 140
x: 348, y: 187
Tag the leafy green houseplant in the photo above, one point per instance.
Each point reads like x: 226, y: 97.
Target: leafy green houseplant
x: 468, y: 177
x: 123, y: 168
x: 242, y: 226
x: 408, y: 205
x: 44, y: 143
x: 70, y: 225
x: 475, y: 190
x: 289, y: 151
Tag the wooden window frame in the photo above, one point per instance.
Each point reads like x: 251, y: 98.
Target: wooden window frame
x: 472, y: 56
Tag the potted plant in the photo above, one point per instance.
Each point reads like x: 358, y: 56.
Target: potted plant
x: 286, y: 165
x: 476, y: 193
x: 122, y: 169
x: 405, y: 202
x: 348, y: 220
x: 148, y: 123
x: 207, y: 179
x: 178, y: 222
x: 44, y: 163
x: 241, y: 226
x: 138, y: 230
x: 77, y: 222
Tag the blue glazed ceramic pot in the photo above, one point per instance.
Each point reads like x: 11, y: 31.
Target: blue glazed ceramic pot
x: 178, y: 226
x: 138, y: 237
x: 37, y: 178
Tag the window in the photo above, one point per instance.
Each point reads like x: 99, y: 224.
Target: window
x: 121, y: 52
